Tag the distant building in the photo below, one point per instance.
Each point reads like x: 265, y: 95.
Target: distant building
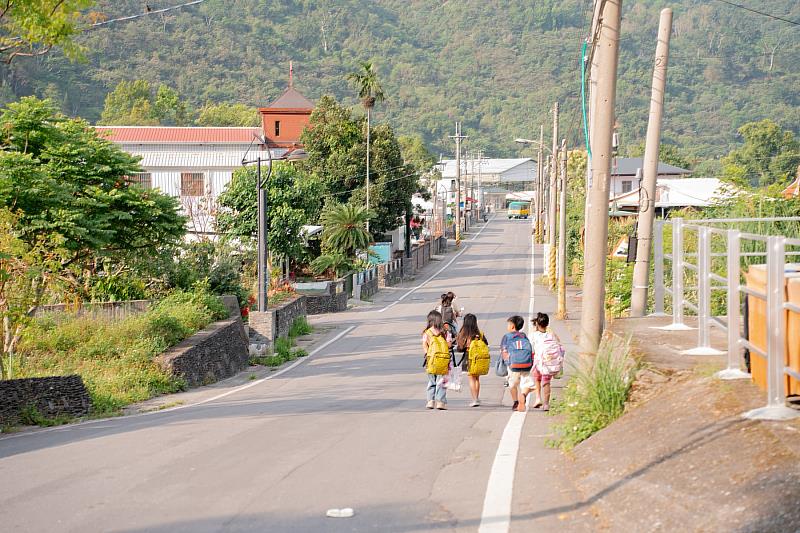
x: 624, y: 176
x: 195, y: 164
x: 677, y: 194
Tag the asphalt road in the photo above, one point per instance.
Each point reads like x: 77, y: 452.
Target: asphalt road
x: 346, y: 428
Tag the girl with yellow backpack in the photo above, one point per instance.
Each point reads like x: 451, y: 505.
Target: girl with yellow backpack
x: 437, y: 360
x: 472, y: 343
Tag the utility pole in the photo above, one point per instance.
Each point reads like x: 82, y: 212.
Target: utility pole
x: 647, y: 202
x: 562, y: 237
x: 540, y: 187
x: 458, y: 138
x: 553, y: 203
x: 607, y: 57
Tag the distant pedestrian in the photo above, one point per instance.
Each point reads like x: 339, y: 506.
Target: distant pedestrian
x: 516, y: 350
x: 471, y: 342
x: 449, y: 314
x: 548, y: 360
x: 437, y: 360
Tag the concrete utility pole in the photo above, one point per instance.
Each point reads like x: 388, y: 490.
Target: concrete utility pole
x: 458, y: 138
x: 540, y: 187
x: 607, y: 56
x: 553, y: 203
x: 562, y: 236
x: 647, y: 201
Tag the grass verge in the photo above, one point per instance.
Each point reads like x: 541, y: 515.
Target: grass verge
x: 115, y: 358
x: 595, y: 395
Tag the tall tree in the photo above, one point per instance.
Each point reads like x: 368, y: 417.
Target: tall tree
x: 292, y: 201
x: 769, y: 155
x: 335, y: 146
x: 134, y: 103
x: 228, y: 115
x: 369, y: 91
x: 62, y: 178
x: 34, y: 27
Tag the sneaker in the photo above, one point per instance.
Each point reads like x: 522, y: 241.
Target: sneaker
x: 441, y: 406
x: 475, y: 403
x: 429, y: 405
x: 514, y: 407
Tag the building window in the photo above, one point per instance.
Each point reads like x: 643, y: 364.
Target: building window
x: 627, y: 186
x: 192, y: 183
x: 277, y: 128
x: 141, y: 179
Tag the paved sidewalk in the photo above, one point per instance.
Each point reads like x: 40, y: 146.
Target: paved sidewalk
x: 545, y: 497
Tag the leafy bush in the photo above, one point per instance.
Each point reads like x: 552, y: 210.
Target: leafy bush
x: 115, y: 358
x: 595, y: 395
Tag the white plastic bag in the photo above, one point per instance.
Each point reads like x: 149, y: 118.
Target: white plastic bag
x: 453, y: 381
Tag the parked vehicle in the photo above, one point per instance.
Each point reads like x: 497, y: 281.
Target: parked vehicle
x: 519, y: 210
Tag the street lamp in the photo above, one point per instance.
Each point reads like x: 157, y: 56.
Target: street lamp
x: 261, y: 194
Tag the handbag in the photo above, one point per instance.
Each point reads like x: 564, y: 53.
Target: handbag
x: 501, y: 368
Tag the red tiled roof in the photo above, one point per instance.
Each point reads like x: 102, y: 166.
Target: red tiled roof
x: 168, y: 134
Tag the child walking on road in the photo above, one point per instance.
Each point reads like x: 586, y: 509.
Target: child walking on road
x: 476, y: 361
x: 437, y: 360
x: 548, y: 361
x: 517, y: 351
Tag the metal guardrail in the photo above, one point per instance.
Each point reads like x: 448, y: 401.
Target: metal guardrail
x: 776, y: 304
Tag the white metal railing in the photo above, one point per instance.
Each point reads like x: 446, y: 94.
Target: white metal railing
x: 775, y: 254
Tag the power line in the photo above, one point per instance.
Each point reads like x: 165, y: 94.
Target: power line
x: 146, y: 13
x: 774, y: 17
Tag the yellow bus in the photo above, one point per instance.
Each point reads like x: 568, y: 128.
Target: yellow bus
x: 519, y: 210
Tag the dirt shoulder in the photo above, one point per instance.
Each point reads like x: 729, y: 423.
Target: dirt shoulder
x: 683, y: 457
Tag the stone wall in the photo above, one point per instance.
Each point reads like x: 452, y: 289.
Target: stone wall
x: 51, y: 397
x: 365, y: 284
x: 390, y: 274
x: 333, y: 299
x: 267, y: 326
x: 217, y: 352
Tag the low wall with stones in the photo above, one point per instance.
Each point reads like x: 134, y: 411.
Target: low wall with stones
x: 390, y: 274
x: 51, y: 397
x: 365, y: 284
x: 267, y: 326
x: 217, y: 352
x: 333, y: 299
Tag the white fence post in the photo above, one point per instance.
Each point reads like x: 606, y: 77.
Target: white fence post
x: 658, y: 268
x: 703, y: 295
x: 677, y: 277
x: 776, y: 408
x: 733, y: 301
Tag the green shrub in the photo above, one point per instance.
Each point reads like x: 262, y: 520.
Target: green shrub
x: 595, y: 395
x: 197, y: 298
x: 30, y: 416
x: 116, y: 358
x: 300, y: 327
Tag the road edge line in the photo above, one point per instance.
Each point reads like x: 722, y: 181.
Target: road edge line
x: 240, y: 388
x: 496, y: 514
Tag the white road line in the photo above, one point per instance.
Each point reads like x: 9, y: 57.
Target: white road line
x: 195, y: 404
x: 496, y: 514
x: 445, y: 267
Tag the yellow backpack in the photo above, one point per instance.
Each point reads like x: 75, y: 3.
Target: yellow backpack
x: 479, y: 358
x: 438, y: 356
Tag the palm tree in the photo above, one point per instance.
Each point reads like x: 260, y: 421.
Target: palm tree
x: 370, y: 91
x: 345, y: 228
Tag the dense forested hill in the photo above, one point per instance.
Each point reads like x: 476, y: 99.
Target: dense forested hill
x: 497, y: 66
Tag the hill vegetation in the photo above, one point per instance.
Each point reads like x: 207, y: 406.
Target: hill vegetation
x: 496, y: 66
